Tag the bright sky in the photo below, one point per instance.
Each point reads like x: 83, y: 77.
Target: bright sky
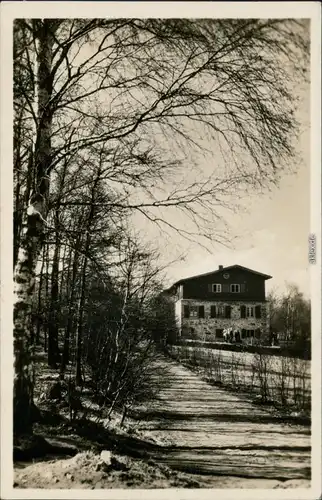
x: 272, y: 237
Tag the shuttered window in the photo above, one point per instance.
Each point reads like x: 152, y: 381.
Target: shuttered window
x: 242, y: 311
x: 217, y: 311
x: 201, y: 311
x: 235, y: 288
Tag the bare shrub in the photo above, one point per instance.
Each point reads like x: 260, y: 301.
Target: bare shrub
x: 234, y: 369
x: 74, y: 400
x: 262, y: 368
x: 243, y: 370
x: 300, y: 387
x: 282, y: 382
x: 209, y: 364
x: 217, y: 367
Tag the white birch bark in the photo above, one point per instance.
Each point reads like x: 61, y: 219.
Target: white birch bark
x: 33, y: 225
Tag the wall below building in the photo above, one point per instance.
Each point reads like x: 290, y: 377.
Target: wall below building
x: 205, y: 328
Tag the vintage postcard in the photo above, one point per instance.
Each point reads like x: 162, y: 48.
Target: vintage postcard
x: 160, y: 250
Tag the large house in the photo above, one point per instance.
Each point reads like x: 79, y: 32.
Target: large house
x: 227, y: 303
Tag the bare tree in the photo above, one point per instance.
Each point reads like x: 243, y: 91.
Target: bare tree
x: 119, y: 347
x: 146, y: 92
x: 291, y: 316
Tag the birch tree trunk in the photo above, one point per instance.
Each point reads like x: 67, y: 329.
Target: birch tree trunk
x: 39, y: 303
x: 79, y: 334
x: 32, y: 230
x: 46, y: 297
x: 70, y: 314
x: 53, y: 349
x: 64, y: 277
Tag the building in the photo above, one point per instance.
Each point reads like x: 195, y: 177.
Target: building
x: 227, y: 304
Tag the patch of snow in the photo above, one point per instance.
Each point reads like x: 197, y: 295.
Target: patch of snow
x: 106, y: 456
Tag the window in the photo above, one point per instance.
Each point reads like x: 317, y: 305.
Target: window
x: 235, y: 288
x: 250, y: 312
x: 217, y: 311
x: 193, y: 311
x: 220, y: 311
x: 216, y: 287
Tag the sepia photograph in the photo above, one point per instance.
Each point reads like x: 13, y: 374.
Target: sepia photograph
x: 160, y: 250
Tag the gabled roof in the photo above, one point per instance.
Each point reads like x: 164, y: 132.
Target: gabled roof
x: 264, y: 276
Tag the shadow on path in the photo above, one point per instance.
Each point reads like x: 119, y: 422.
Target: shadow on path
x: 214, y: 431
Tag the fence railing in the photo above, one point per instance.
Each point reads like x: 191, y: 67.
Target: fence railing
x: 285, y: 350
x: 282, y: 381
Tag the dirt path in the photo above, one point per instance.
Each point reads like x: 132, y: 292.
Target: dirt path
x: 214, y: 432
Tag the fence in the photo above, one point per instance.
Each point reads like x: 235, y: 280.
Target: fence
x: 288, y: 351
x: 279, y: 380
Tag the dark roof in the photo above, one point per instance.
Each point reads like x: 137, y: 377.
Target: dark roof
x: 264, y: 276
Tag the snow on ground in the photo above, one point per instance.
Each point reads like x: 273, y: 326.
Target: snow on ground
x: 197, y: 436
x: 87, y: 471
x: 217, y: 432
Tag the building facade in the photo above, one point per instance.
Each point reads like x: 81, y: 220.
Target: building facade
x: 227, y: 304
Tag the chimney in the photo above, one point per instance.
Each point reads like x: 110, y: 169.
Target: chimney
x: 221, y: 268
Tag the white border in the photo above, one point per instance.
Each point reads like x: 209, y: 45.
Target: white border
x: 11, y: 10
x: 161, y: 9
